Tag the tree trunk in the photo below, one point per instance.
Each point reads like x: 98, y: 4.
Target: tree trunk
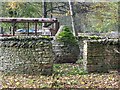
x: 72, y: 18
x: 44, y: 5
x: 51, y: 11
x: 44, y: 9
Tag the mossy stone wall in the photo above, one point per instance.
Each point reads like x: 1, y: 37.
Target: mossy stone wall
x: 65, y: 46
x: 26, y: 55
x: 83, y: 37
x: 101, y: 55
x: 65, y: 53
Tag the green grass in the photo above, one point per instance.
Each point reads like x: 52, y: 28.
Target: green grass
x: 68, y: 69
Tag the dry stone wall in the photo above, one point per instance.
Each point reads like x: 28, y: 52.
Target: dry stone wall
x: 83, y: 37
x: 26, y: 55
x: 65, y: 53
x: 101, y: 55
x: 35, y: 55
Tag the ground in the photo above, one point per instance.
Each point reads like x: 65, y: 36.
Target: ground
x: 64, y: 76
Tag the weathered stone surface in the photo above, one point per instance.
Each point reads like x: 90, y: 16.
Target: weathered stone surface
x: 100, y: 38
x: 65, y: 46
x: 26, y: 55
x: 65, y: 54
x: 100, y: 56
